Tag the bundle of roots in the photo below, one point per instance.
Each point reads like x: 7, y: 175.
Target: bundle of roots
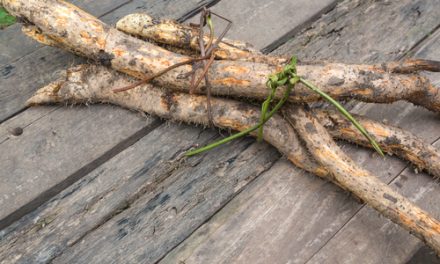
x: 141, y: 47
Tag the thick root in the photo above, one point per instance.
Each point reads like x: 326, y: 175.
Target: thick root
x: 391, y: 139
x: 172, y: 33
x: 79, y: 31
x: 90, y: 83
x: 360, y: 182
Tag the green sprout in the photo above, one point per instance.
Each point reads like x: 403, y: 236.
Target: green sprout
x: 288, y: 77
x: 5, y: 18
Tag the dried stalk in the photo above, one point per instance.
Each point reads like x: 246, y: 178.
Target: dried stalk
x: 87, y: 35
x: 359, y: 181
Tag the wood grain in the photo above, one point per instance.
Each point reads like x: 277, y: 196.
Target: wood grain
x: 145, y: 207
x: 341, y: 36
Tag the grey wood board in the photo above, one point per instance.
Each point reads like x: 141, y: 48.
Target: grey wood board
x: 19, y: 79
x: 192, y: 220
x: 263, y: 22
x: 142, y: 202
x: 11, y: 127
x: 306, y: 235
x: 270, y: 221
x: 55, y: 147
x: 341, y: 36
x: 148, y: 230
x: 33, y: 71
x: 16, y: 45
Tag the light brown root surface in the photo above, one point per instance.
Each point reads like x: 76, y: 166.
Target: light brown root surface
x: 90, y: 83
x: 360, y: 182
x: 392, y: 140
x: 79, y: 31
x: 183, y: 36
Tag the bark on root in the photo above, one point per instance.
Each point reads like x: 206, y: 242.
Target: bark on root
x: 170, y: 32
x: 359, y: 181
x: 85, y: 34
x: 392, y: 140
x: 93, y: 84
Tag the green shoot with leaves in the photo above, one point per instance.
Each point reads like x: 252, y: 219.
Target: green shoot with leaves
x: 289, y: 77
x: 5, y: 18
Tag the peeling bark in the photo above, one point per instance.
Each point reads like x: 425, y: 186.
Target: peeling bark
x: 85, y: 34
x: 359, y: 181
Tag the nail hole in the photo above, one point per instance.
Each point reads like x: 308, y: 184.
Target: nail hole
x: 17, y: 131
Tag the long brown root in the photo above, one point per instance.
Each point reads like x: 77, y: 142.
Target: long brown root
x: 89, y: 36
x: 178, y: 35
x: 391, y: 139
x: 90, y: 83
x: 172, y: 33
x: 359, y: 181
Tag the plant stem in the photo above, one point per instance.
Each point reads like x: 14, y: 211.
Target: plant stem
x: 345, y: 113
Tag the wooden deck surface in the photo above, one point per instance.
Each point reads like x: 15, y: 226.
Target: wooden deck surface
x: 101, y: 184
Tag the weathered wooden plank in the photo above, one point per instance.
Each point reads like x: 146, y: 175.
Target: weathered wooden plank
x: 342, y: 36
x: 17, y: 85
x: 269, y: 222
x: 156, y: 199
x: 246, y: 166
x: 263, y: 22
x: 19, y: 79
x: 376, y: 237
x: 295, y: 237
x: 58, y: 149
x: 15, y: 45
x: 155, y: 224
x: 15, y: 126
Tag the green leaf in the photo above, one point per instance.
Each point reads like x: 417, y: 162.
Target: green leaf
x: 5, y: 18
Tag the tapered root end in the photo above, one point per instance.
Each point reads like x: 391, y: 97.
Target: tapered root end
x: 413, y: 65
x: 46, y: 95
